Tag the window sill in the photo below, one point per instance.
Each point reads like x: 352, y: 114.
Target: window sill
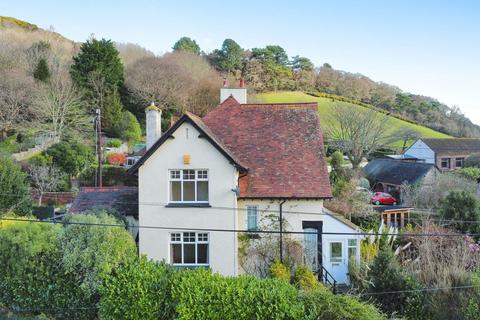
x: 188, y: 205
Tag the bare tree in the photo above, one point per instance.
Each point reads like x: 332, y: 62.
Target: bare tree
x: 14, y: 100
x: 357, y: 132
x: 45, y: 179
x: 59, y: 105
x: 405, y: 135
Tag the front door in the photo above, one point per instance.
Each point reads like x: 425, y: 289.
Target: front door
x: 311, y: 248
x: 337, y: 262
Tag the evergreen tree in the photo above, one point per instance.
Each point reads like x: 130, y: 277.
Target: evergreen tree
x: 41, y: 72
x: 187, y: 44
x: 100, y: 57
x: 112, y: 113
x: 229, y: 58
x: 14, y: 189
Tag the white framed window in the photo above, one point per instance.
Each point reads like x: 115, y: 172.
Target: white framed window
x: 189, y: 186
x: 336, y: 254
x: 352, y: 249
x: 252, y: 218
x: 189, y: 248
x: 445, y: 163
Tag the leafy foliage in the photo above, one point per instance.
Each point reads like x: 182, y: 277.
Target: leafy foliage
x: 280, y: 271
x: 472, y: 161
x: 305, y: 279
x: 71, y: 157
x: 200, y: 294
x: 128, y: 128
x: 461, y: 206
x: 14, y: 188
x: 229, y: 58
x: 322, y: 304
x: 41, y: 72
x: 116, y: 158
x: 187, y: 44
x: 139, y: 289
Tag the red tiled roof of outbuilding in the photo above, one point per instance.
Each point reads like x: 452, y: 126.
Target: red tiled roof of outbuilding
x: 281, y: 144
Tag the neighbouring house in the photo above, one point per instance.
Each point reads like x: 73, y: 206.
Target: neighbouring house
x: 388, y: 175
x: 446, y: 154
x: 394, y: 216
x: 123, y: 200
x: 227, y: 171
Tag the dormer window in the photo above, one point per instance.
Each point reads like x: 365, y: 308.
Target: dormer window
x: 189, y: 186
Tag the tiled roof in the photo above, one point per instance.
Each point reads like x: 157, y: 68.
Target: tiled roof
x: 281, y: 144
x: 453, y: 146
x: 396, y: 171
x: 122, y: 199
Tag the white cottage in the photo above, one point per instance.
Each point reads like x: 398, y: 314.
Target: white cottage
x: 205, y: 177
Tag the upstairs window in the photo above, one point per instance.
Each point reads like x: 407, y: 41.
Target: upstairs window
x: 189, y: 186
x: 252, y: 218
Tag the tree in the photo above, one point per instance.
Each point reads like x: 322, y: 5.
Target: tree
x: 473, y: 161
x: 41, y: 72
x: 71, y: 157
x: 461, y: 206
x: 98, y: 56
x: 357, y: 132
x: 14, y: 100
x: 59, y: 105
x: 45, y: 179
x: 92, y: 253
x: 405, y: 135
x: 14, y: 189
x: 187, y: 44
x: 112, y: 112
x: 128, y: 128
x: 229, y: 58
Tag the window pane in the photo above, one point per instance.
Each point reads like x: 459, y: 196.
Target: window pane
x: 175, y: 174
x: 189, y: 237
x: 176, y: 237
x: 189, y: 253
x: 202, y: 254
x: 352, y: 253
x: 202, y: 190
x: 352, y: 242
x: 189, y: 191
x: 335, y: 251
x: 252, y: 218
x: 176, y: 253
x: 175, y: 191
x: 203, y: 237
x: 188, y: 174
x: 202, y: 174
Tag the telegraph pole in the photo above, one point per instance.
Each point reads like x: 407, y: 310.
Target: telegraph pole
x: 98, y: 132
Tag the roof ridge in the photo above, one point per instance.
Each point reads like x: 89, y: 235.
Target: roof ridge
x: 280, y: 104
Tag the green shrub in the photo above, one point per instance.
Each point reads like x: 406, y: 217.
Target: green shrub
x: 137, y: 290
x: 322, y: 304
x: 71, y: 157
x: 128, y: 128
x: 14, y: 188
x: 461, y: 206
x: 305, y: 279
x: 199, y: 294
x: 472, y: 161
x: 280, y: 271
x: 114, y: 143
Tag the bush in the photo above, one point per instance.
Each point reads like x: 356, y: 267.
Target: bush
x: 114, y: 143
x: 128, y: 128
x: 199, y: 294
x: 461, y: 206
x: 472, y: 161
x: 305, y: 279
x: 14, y: 188
x: 92, y: 252
x: 112, y: 176
x: 322, y: 304
x: 116, y: 159
x: 137, y: 290
x: 71, y: 157
x: 280, y: 271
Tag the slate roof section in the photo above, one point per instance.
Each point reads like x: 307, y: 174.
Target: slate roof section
x: 453, y: 146
x: 281, y: 144
x: 122, y: 199
x: 396, y: 172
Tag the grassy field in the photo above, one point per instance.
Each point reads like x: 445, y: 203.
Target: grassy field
x: 325, y: 108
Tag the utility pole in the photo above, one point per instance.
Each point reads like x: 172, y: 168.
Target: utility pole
x: 98, y: 133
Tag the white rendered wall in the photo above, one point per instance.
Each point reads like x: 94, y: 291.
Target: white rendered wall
x: 240, y: 94
x: 154, y: 194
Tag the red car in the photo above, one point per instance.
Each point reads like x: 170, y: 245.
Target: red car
x: 383, y: 198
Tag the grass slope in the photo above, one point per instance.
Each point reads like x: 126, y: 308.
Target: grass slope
x: 325, y: 109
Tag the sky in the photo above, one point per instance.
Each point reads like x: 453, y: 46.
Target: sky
x: 425, y: 47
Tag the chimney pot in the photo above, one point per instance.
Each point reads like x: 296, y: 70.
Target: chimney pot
x: 225, y: 83
x: 242, y: 83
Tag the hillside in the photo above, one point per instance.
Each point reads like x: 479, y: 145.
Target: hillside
x: 326, y: 105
